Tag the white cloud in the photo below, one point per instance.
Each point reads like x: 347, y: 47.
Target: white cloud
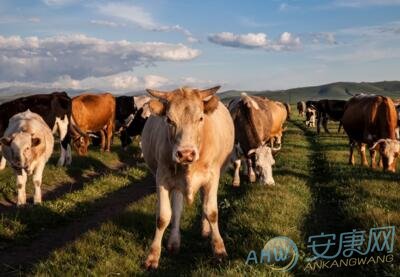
x: 286, y: 41
x: 106, y: 23
x: 132, y: 13
x: 123, y: 82
x: 321, y: 38
x: 80, y: 56
x: 59, y: 2
x: 140, y: 17
x: 34, y: 19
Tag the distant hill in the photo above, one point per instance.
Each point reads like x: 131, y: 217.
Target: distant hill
x: 339, y: 90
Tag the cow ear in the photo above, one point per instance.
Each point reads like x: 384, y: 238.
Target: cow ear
x: 35, y: 141
x: 211, y: 104
x: 6, y: 141
x: 206, y: 93
x: 157, y: 107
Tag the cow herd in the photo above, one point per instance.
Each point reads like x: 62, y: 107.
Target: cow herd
x: 368, y: 120
x: 188, y: 138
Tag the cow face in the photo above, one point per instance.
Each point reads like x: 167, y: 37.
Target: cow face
x: 185, y: 112
x: 389, y: 150
x: 264, y: 161
x: 81, y: 145
x: 20, y: 150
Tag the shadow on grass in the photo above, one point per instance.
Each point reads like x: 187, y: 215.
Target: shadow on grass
x: 331, y: 191
x: 66, y: 228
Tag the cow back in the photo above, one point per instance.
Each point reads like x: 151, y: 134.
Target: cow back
x: 92, y: 112
x: 369, y: 118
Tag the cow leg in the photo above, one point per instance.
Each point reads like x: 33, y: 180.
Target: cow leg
x: 325, y: 123
x: 364, y: 160
x: 351, y: 159
x: 103, y: 140
x: 21, y: 183
x: 37, y: 182
x: 109, y: 136
x: 210, y: 209
x: 3, y: 163
x: 174, y: 241
x: 318, y: 122
x: 163, y: 220
x: 372, y: 153
x: 250, y: 170
x: 236, y: 176
x: 205, y: 225
x: 63, y: 133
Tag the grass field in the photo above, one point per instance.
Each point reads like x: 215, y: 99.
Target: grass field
x: 98, y: 216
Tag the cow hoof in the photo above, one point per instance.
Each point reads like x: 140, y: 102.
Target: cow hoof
x: 236, y: 184
x: 151, y: 262
x: 174, y: 243
x: 221, y: 256
x: 173, y: 248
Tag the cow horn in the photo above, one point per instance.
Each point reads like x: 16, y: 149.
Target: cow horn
x: 251, y: 151
x: 208, y: 92
x: 75, y: 130
x: 276, y: 149
x: 376, y: 144
x: 160, y: 94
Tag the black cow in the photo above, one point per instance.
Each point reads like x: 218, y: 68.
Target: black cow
x: 125, y: 107
x: 131, y: 115
x: 134, y: 128
x: 327, y: 109
x: 54, y: 108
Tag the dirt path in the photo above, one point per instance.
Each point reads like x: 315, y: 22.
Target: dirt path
x: 22, y: 258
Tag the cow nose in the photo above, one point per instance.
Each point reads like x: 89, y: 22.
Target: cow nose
x: 185, y: 155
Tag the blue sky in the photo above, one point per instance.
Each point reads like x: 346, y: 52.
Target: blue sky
x: 249, y: 45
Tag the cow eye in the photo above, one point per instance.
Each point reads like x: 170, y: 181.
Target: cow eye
x: 201, y: 119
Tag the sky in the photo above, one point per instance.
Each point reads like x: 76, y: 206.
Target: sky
x: 123, y: 46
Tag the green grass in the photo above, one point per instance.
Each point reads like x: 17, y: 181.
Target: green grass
x: 316, y: 191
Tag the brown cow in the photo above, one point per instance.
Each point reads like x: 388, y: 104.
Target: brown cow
x: 186, y: 145
x: 93, y: 113
x: 301, y: 107
x: 258, y: 121
x: 371, y: 120
x: 288, y: 109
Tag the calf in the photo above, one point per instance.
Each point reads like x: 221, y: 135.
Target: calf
x: 27, y: 145
x: 372, y: 120
x: 186, y: 144
x: 258, y: 124
x: 310, y: 117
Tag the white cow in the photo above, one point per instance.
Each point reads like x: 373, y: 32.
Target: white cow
x: 27, y: 145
